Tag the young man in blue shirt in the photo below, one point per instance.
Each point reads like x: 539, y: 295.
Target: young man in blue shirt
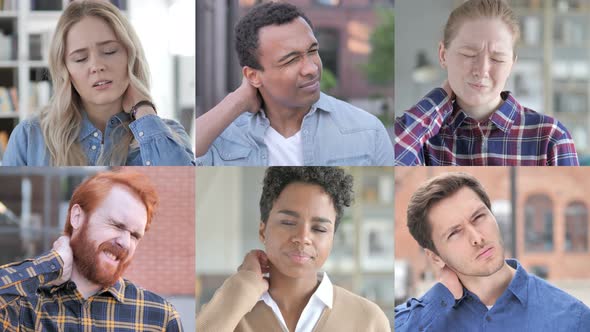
x: 278, y: 116
x: 479, y: 290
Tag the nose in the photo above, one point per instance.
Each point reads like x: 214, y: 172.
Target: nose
x: 481, y: 67
x: 96, y: 65
x: 309, y: 68
x: 301, y: 236
x: 124, y: 240
x: 475, y: 237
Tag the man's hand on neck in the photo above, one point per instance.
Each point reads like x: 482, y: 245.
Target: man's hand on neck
x: 449, y: 279
x: 62, y: 247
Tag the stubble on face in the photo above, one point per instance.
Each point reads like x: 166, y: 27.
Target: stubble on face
x: 89, y: 264
x: 462, y: 253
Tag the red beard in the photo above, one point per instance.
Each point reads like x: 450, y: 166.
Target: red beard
x: 89, y: 264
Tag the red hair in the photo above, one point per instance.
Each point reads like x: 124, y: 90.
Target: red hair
x: 93, y: 191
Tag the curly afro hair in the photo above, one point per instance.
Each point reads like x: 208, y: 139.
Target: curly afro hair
x: 246, y: 30
x: 333, y: 180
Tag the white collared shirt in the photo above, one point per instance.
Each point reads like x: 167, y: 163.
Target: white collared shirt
x: 321, y: 298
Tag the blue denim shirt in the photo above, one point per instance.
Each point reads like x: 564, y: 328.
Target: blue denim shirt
x: 26, y: 146
x: 337, y: 133
x: 529, y: 304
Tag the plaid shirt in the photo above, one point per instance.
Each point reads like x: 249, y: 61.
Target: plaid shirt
x: 437, y: 132
x: 27, y: 305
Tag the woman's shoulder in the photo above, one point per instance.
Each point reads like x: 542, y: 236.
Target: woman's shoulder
x: 346, y: 298
x: 529, y: 118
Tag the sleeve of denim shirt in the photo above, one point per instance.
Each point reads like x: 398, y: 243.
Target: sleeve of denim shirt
x: 420, y: 314
x: 383, y: 147
x: 418, y: 124
x: 16, y: 150
x: 584, y: 323
x: 157, y: 145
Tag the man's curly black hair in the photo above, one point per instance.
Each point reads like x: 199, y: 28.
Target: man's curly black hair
x: 246, y: 30
x: 333, y: 180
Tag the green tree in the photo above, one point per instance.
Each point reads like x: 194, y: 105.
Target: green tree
x: 380, y: 66
x: 328, y: 81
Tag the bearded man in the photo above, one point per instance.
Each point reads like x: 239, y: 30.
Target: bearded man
x: 78, y: 284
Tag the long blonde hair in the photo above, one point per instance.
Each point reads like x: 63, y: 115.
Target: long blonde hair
x: 61, y: 120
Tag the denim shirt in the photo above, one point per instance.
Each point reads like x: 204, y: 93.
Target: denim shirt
x: 157, y: 147
x: 335, y: 134
x: 529, y: 304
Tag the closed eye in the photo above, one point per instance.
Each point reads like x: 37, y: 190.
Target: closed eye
x: 453, y: 233
x: 80, y: 60
x: 319, y: 229
x: 287, y: 222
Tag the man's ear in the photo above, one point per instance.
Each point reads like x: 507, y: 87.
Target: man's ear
x: 261, y: 229
x: 442, y: 55
x: 434, y: 258
x: 253, y: 76
x: 77, y: 217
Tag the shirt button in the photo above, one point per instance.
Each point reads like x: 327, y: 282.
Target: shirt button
x: 263, y: 156
x: 95, y: 134
x: 148, y: 163
x: 94, y: 147
x: 53, y: 266
x: 141, y: 134
x: 113, y: 122
x: 305, y: 132
x: 488, y: 318
x: 443, y: 303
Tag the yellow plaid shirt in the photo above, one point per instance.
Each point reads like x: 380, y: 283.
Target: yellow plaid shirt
x: 28, y: 304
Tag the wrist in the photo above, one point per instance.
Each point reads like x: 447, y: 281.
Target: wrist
x: 142, y: 108
x: 143, y: 111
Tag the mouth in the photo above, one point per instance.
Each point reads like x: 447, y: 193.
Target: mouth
x: 311, y: 85
x: 102, y: 84
x: 112, y: 257
x: 300, y: 257
x: 486, y: 253
x: 478, y: 86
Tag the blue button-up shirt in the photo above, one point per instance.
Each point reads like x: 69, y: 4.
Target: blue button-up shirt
x: 157, y: 146
x: 529, y: 304
x: 332, y: 133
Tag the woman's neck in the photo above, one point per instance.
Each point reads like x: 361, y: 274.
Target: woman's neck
x: 483, y: 112
x: 291, y: 294
x: 99, y: 115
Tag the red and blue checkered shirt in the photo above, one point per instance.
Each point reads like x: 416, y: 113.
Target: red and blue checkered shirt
x: 27, y: 305
x: 437, y: 132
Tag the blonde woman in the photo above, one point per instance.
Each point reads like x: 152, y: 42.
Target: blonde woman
x: 101, y: 111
